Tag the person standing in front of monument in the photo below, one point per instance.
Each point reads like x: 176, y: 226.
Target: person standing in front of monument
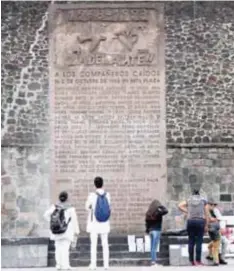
x: 64, y: 228
x: 99, y: 211
x: 197, y: 213
x: 215, y: 235
x: 153, y: 222
x: 224, y: 240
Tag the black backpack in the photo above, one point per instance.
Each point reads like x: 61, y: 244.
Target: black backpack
x: 58, y: 222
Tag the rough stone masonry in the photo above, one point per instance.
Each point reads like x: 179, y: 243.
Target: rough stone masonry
x: 199, y: 57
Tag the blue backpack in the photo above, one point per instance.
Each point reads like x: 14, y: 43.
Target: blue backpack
x: 102, y: 210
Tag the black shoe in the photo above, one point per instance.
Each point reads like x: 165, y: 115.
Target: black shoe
x: 221, y: 261
x: 215, y: 264
x: 209, y: 258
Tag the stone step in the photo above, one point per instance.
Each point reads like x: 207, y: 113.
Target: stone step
x: 114, y: 239
x: 86, y: 247
x: 112, y: 246
x: 119, y: 254
x: 113, y: 262
x: 113, y: 251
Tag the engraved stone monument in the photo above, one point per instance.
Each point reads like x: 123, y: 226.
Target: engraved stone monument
x: 108, y: 105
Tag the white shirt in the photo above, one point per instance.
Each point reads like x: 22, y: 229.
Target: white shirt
x: 94, y: 226
x: 219, y: 216
x: 73, y: 226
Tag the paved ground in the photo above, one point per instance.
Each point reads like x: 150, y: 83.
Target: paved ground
x: 158, y: 268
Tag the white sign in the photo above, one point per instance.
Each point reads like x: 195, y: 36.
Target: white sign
x: 174, y: 246
x: 229, y: 220
x: 140, y: 244
x: 204, y: 247
x: 147, y: 243
x: 131, y: 243
x: 184, y: 251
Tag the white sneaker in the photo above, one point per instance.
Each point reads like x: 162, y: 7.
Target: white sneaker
x: 92, y: 267
x: 67, y: 268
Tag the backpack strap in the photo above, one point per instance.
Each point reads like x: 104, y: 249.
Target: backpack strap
x: 69, y: 220
x: 103, y: 195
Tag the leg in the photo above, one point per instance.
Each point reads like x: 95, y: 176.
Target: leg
x: 157, y: 240
x: 216, y: 245
x: 199, y: 240
x: 191, y: 240
x: 65, y: 254
x: 93, y: 239
x: 153, y: 235
x: 210, y: 248
x: 57, y: 245
x: 105, y: 249
x: 224, y: 245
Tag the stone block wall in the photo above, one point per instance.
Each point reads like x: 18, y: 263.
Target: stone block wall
x: 25, y: 190
x: 209, y: 169
x: 200, y: 72
x: 200, y: 108
x: 24, y: 118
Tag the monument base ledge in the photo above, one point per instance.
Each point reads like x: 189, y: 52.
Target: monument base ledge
x: 24, y: 252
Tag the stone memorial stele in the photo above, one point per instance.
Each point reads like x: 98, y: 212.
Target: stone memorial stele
x: 107, y: 99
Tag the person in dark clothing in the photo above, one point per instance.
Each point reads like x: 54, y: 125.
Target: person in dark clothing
x: 197, y: 217
x: 154, y: 219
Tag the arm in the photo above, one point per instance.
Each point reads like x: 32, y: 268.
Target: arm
x: 183, y: 207
x: 75, y: 222
x: 88, y: 204
x: 218, y: 214
x: 109, y: 199
x: 208, y: 217
x: 221, y: 219
x: 48, y: 213
x: 146, y: 226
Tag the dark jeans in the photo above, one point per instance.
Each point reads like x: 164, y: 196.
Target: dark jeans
x: 195, y: 228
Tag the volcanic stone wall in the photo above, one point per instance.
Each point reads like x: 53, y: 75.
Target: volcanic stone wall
x: 200, y: 69
x: 25, y: 118
x: 200, y: 109
x: 200, y: 103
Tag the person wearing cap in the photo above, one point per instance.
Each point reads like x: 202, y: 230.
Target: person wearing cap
x: 195, y: 207
x: 224, y: 241
x: 214, y: 234
x: 64, y: 240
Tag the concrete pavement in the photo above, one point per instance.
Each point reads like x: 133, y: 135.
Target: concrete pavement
x: 228, y: 267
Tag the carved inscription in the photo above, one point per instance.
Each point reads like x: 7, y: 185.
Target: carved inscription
x: 107, y: 120
x: 109, y: 15
x: 108, y: 97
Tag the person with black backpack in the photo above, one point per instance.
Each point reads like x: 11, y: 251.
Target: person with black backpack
x: 98, y: 206
x: 64, y: 228
x: 153, y: 221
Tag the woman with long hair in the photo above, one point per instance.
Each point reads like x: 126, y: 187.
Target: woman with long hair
x: 154, y: 219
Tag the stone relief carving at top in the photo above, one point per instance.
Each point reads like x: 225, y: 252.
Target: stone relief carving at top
x: 128, y: 38
x: 94, y: 41
x: 124, y: 43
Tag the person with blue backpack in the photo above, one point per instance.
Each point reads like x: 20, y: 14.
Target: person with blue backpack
x: 99, y: 211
